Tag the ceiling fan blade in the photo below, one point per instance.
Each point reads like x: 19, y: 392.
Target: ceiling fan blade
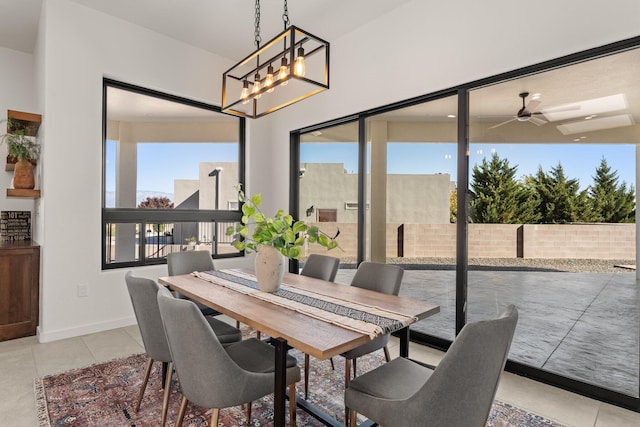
x: 533, y: 105
x: 503, y: 123
x: 537, y: 121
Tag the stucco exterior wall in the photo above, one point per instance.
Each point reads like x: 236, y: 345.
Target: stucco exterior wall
x: 410, y: 198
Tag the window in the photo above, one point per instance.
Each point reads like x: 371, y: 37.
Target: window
x: 352, y: 206
x: 170, y: 176
x: 327, y: 215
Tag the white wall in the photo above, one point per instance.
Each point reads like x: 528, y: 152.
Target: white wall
x: 416, y: 49
x: 17, y: 92
x: 422, y: 47
x: 79, y: 47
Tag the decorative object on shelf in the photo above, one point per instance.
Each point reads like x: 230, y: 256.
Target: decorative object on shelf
x: 22, y: 145
x: 274, y: 239
x: 15, y: 225
x: 254, y: 87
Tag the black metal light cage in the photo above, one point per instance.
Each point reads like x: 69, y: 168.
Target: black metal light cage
x: 283, y: 92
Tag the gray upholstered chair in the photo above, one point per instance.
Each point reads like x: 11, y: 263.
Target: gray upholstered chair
x: 143, y: 293
x: 459, y: 392
x: 185, y: 262
x: 322, y: 267
x: 385, y: 278
x: 212, y: 376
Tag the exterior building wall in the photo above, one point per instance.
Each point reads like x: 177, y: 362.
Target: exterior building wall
x: 227, y: 185
x: 410, y: 198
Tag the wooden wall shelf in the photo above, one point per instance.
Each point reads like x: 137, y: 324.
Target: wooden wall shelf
x: 29, y: 121
x: 33, y: 194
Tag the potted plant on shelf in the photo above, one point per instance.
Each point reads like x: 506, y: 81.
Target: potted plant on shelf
x: 273, y: 239
x: 25, y: 150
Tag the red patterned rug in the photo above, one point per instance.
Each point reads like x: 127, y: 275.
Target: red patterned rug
x: 105, y: 394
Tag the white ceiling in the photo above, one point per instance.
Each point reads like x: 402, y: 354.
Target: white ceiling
x: 223, y: 27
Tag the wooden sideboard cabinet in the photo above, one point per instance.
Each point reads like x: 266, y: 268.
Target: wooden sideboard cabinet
x: 19, y: 289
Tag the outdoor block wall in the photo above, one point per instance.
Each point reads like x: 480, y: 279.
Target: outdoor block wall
x: 592, y: 241
x: 578, y: 241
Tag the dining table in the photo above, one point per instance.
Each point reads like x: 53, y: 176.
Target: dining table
x: 320, y: 318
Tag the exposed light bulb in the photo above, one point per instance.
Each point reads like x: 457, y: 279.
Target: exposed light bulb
x: 256, y: 87
x: 284, y: 72
x: 244, y: 95
x: 299, y: 68
x: 268, y: 81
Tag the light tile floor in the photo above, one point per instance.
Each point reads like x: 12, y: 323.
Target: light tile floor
x: 24, y: 359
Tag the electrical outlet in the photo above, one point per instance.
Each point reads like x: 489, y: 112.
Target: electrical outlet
x: 83, y: 290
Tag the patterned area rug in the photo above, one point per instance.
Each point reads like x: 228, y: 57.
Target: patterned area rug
x: 105, y: 395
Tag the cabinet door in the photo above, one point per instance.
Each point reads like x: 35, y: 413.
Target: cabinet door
x: 19, y: 286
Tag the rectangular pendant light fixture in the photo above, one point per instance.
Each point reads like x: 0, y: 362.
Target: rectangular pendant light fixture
x: 292, y: 66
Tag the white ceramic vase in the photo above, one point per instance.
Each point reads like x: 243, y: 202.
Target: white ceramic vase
x: 269, y: 266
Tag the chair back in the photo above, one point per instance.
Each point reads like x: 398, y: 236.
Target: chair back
x: 385, y: 278
x: 462, y: 388
x: 208, y: 376
x: 322, y: 267
x: 186, y: 262
x: 143, y: 293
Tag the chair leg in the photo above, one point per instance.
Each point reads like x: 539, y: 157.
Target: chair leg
x: 164, y: 373
x: 355, y: 374
x: 333, y: 367
x: 352, y: 418
x: 183, y: 409
x: 215, y: 412
x: 347, y: 379
x: 306, y: 376
x: 387, y: 356
x: 292, y: 405
x: 258, y: 335
x: 249, y: 413
x: 147, y: 372
x: 167, y: 392
x: 237, y: 326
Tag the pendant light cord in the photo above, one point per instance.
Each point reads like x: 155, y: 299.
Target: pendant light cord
x: 256, y: 33
x: 285, y: 16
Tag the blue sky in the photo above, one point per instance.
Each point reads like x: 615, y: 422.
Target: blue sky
x: 159, y: 164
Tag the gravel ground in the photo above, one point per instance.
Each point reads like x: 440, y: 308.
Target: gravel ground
x: 514, y: 264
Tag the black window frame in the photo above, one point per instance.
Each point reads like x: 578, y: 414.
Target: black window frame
x: 462, y: 91
x: 161, y: 216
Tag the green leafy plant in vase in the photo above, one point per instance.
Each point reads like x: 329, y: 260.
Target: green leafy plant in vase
x: 273, y: 239
x: 25, y: 150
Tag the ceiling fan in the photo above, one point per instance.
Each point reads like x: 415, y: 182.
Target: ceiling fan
x: 526, y: 113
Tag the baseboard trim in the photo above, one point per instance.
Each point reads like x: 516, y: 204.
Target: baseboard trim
x: 49, y: 336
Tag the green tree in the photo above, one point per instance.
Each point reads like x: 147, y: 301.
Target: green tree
x: 453, y: 205
x: 496, y: 197
x: 559, y: 199
x: 609, y: 201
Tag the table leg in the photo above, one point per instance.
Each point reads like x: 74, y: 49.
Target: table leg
x: 404, y: 342
x: 280, y: 386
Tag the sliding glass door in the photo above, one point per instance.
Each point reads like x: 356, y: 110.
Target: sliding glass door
x: 552, y: 189
x: 411, y: 180
x: 520, y: 189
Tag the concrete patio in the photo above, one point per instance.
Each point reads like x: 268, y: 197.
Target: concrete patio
x: 585, y: 326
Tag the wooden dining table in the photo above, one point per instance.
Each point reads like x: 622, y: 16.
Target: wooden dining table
x: 289, y: 328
